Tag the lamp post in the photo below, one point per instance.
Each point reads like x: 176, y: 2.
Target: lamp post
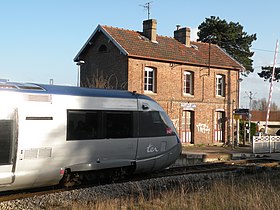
x: 239, y: 80
x: 250, y: 96
x: 79, y: 63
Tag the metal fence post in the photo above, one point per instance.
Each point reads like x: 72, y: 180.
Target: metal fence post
x: 270, y: 144
x: 254, y: 144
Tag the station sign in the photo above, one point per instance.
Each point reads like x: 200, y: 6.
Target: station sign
x: 241, y: 111
x: 188, y: 106
x: 241, y: 114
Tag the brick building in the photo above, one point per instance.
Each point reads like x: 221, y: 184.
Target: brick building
x: 196, y: 83
x: 259, y: 117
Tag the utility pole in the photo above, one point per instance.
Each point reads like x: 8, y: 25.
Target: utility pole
x: 209, y: 55
x: 232, y: 124
x: 250, y: 96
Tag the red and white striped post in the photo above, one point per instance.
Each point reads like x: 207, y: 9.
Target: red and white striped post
x: 271, y: 88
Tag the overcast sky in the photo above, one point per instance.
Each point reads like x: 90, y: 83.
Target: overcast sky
x: 39, y: 39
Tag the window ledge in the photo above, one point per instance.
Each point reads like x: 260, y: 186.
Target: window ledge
x: 150, y: 93
x: 188, y: 95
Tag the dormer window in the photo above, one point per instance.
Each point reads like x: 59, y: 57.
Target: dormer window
x: 103, y: 48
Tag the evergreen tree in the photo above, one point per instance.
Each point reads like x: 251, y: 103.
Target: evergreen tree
x: 266, y: 73
x: 231, y: 37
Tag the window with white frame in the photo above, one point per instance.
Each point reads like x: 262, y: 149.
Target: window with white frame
x: 150, y: 79
x: 220, y: 85
x: 188, y: 83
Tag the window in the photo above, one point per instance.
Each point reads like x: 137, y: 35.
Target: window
x: 91, y: 124
x: 188, y: 83
x: 82, y: 124
x: 6, y: 139
x: 119, y: 125
x: 100, y: 124
x: 153, y: 124
x: 103, y: 48
x: 149, y: 81
x: 220, y: 85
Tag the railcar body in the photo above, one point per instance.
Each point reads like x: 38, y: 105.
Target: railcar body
x: 47, y: 131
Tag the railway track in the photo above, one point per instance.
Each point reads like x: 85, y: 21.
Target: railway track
x: 244, y: 166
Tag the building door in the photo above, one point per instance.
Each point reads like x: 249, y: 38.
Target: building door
x: 187, y: 122
x: 219, y: 127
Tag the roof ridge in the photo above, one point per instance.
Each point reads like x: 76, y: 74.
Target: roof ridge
x: 205, y: 43
x: 120, y: 28
x: 158, y: 35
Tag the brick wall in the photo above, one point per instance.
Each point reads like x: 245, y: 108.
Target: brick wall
x: 170, y: 95
x: 111, y: 64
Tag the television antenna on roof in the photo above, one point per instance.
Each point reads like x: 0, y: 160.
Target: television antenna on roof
x: 147, y: 7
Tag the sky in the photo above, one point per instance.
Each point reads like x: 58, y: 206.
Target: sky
x: 39, y: 39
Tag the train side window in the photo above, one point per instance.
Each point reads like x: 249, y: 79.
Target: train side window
x: 119, y: 124
x: 83, y: 125
x: 152, y: 124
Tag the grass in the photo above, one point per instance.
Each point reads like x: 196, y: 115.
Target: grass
x: 248, y: 192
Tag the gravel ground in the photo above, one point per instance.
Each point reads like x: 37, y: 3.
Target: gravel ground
x: 64, y: 200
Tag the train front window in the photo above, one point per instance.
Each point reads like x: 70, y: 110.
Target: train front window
x: 153, y: 124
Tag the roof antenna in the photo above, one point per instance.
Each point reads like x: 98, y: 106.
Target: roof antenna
x: 147, y: 6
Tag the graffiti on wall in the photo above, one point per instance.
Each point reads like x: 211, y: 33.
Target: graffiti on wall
x: 203, y: 128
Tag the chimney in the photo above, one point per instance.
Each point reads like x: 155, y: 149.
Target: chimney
x: 150, y: 29
x: 183, y: 35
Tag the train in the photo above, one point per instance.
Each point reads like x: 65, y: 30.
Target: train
x: 55, y: 134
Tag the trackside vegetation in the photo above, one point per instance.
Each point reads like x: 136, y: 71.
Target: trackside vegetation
x: 247, y: 191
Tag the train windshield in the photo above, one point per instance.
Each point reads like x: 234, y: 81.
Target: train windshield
x: 167, y: 121
x: 154, y: 123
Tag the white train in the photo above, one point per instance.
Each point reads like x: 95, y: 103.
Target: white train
x: 51, y: 134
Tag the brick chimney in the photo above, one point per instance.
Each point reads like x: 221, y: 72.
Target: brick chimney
x: 183, y: 35
x: 150, y: 29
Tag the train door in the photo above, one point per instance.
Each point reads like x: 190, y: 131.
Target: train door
x: 7, y: 142
x: 187, y: 127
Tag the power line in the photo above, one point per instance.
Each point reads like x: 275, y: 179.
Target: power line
x: 263, y: 50
x: 256, y: 67
x: 258, y: 49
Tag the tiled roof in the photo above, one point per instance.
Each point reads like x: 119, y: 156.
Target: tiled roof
x: 261, y: 116
x: 134, y: 44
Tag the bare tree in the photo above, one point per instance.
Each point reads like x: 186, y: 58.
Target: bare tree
x: 101, y: 80
x: 274, y: 107
x: 261, y: 105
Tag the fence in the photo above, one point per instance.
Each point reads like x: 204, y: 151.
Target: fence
x: 266, y: 144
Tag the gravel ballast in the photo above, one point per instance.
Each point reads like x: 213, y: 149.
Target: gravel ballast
x: 63, y: 199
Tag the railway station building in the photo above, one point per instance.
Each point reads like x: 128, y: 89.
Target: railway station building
x: 195, y: 82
